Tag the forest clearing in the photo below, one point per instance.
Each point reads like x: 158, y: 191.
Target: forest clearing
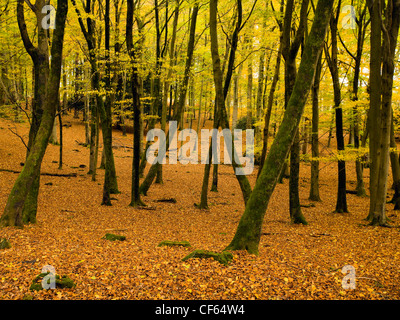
x: 199, y: 150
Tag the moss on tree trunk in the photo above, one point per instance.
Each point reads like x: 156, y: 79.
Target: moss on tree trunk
x: 13, y: 212
x: 248, y: 233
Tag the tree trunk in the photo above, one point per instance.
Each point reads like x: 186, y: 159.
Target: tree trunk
x: 341, y: 203
x: 314, y: 188
x: 248, y: 233
x: 13, y: 213
x: 137, y: 110
x: 289, y: 51
x: 381, y: 102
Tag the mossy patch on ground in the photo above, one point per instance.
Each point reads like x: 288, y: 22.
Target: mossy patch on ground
x: 224, y: 257
x: 61, y: 282
x: 4, y: 244
x: 170, y: 243
x: 113, y: 237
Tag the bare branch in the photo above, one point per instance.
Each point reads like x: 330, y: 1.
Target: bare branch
x: 22, y: 139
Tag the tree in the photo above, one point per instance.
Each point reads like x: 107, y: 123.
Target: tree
x: 314, y: 187
x: 248, y: 233
x: 332, y: 60
x: 13, y: 213
x: 137, y: 110
x: 40, y: 59
x: 110, y: 185
x: 384, y: 33
x: 290, y: 49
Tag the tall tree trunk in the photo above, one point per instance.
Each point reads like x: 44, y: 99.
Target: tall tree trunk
x: 289, y: 51
x: 381, y: 101
x: 248, y: 233
x: 40, y: 58
x: 137, y: 127
x: 332, y: 59
x: 13, y: 213
x: 314, y: 187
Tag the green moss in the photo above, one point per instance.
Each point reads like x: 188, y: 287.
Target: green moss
x: 5, y: 244
x: 65, y: 282
x: 113, y: 237
x: 224, y: 257
x: 174, y: 243
x: 61, y: 282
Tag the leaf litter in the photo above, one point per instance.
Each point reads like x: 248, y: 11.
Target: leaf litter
x: 295, y: 262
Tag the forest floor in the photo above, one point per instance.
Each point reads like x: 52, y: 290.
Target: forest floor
x: 294, y: 262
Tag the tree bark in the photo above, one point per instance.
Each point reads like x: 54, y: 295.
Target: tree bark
x: 314, y: 187
x: 381, y: 101
x: 13, y: 214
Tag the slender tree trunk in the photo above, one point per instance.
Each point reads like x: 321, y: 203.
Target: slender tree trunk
x: 249, y: 124
x: 137, y: 127
x: 341, y: 203
x: 290, y: 51
x: 314, y: 188
x: 235, y: 97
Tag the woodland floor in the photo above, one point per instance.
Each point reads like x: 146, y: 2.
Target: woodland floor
x: 295, y: 261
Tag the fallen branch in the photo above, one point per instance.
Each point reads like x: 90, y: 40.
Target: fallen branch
x: 66, y: 175
x: 170, y: 200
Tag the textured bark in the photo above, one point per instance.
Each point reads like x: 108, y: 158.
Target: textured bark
x: 40, y: 59
x: 28, y: 178
x: 381, y: 102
